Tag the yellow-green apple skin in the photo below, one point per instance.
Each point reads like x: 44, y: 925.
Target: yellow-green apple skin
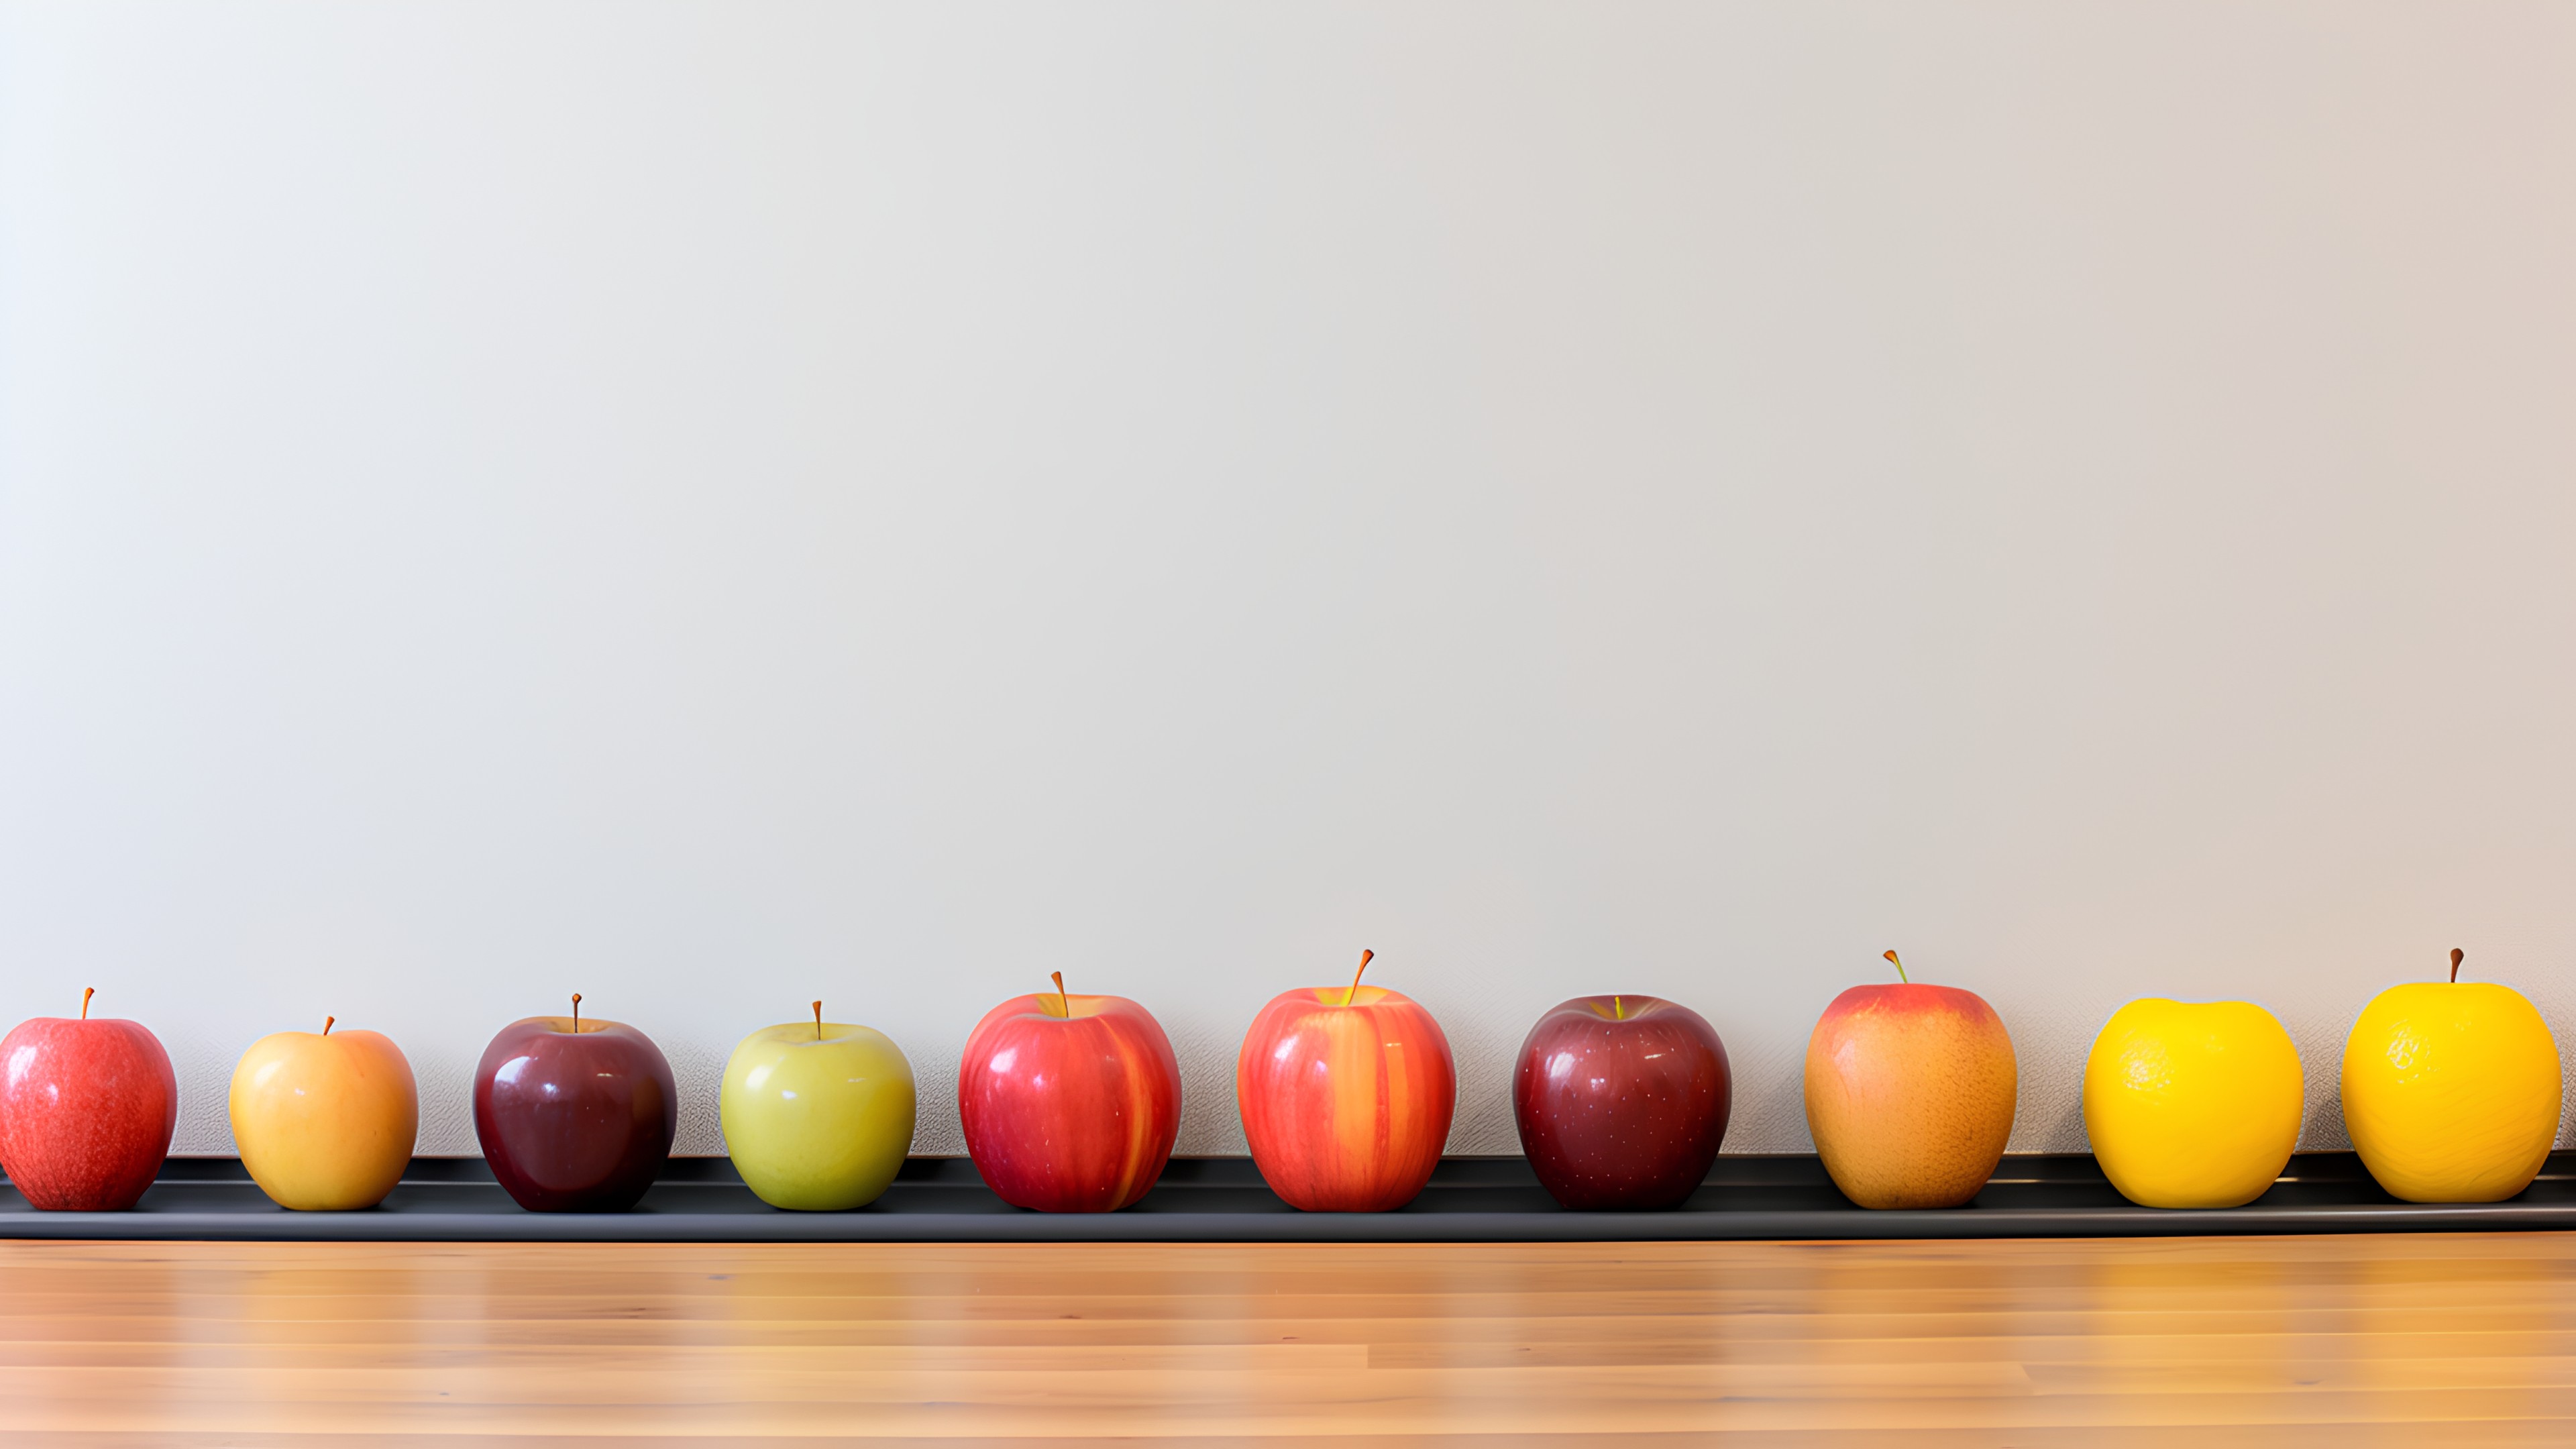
x: 2451, y: 1091
x: 817, y: 1117
x: 2193, y: 1104
x: 325, y: 1121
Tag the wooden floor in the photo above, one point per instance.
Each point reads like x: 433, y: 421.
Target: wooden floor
x: 2415, y: 1340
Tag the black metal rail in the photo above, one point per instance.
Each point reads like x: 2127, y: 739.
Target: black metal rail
x: 1222, y: 1199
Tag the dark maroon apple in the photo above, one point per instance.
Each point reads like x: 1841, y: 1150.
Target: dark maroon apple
x: 1621, y: 1101
x: 86, y: 1109
x: 574, y: 1116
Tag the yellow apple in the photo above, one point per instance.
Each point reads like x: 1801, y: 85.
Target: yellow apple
x: 325, y: 1122
x: 2451, y: 1090
x: 817, y: 1115
x: 2192, y: 1104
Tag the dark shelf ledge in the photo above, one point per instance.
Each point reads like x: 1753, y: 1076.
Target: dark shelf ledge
x: 1223, y: 1200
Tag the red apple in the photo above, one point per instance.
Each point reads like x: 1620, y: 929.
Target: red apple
x: 86, y: 1109
x: 1346, y: 1094
x: 1910, y: 1093
x: 1070, y: 1103
x: 573, y: 1115
x: 1621, y: 1101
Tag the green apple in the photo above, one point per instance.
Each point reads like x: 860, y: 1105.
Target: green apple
x: 817, y: 1115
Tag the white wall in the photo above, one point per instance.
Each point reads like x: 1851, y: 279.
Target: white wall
x: 710, y: 506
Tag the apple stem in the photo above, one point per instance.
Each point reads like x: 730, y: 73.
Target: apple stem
x: 1618, y: 1009
x: 576, y: 1013
x: 86, y: 993
x: 1063, y: 1003
x: 1353, y: 994
x: 818, y: 1021
x: 1900, y: 968
x: 326, y: 1024
x: 2456, y: 955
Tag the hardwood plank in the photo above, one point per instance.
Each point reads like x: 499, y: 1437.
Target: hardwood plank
x: 2358, y: 1340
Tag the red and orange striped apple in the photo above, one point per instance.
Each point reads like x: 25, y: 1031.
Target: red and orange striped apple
x: 1346, y: 1094
x: 1070, y: 1103
x: 1910, y: 1093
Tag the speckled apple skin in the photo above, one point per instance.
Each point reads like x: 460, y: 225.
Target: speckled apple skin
x: 1621, y: 1102
x: 1910, y: 1092
x: 86, y: 1111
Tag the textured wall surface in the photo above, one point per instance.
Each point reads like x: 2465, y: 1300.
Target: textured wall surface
x: 714, y: 506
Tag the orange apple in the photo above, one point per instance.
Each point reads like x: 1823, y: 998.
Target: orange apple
x: 1910, y: 1093
x: 1346, y: 1094
x: 325, y: 1122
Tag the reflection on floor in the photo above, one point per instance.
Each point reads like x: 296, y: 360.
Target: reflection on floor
x: 2432, y: 1339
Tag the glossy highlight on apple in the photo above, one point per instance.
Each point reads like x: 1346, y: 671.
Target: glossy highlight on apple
x: 2451, y: 1090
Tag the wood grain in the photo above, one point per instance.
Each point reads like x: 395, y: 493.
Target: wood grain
x: 2415, y: 1339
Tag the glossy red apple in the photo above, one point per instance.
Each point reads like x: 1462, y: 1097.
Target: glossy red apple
x: 86, y: 1110
x: 1070, y: 1103
x: 1621, y: 1101
x: 574, y: 1116
x: 1346, y: 1094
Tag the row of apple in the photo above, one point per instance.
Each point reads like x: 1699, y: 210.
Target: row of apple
x: 1071, y: 1103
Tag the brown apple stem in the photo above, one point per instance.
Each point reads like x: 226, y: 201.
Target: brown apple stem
x: 818, y: 1021
x: 1900, y: 968
x: 326, y: 1024
x: 2456, y: 956
x: 576, y: 1013
x: 1063, y: 1003
x: 86, y: 993
x: 1353, y: 994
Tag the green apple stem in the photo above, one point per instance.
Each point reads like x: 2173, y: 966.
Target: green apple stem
x: 326, y: 1024
x: 576, y: 1013
x: 1063, y: 1003
x: 86, y: 993
x: 1353, y: 994
x: 818, y: 1021
x: 1900, y: 969
x: 2456, y: 956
